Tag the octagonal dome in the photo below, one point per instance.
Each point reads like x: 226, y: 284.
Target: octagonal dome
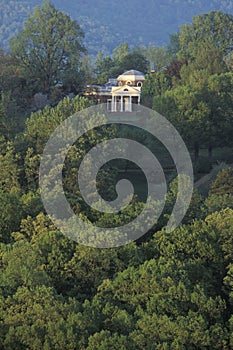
x: 131, y: 75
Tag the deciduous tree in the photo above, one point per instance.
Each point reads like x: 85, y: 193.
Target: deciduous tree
x: 48, y: 47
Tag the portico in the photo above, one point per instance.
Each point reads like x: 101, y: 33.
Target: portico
x: 123, y: 99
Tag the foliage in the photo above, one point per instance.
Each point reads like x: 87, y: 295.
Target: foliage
x: 200, y: 111
x: 11, y: 214
x: 168, y: 290
x: 9, y: 168
x: 205, y: 30
x: 223, y: 184
x: 49, y: 47
x: 123, y: 59
x: 155, y: 85
x: 41, y: 124
x: 205, y: 187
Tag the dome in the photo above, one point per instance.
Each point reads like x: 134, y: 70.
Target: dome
x: 131, y: 75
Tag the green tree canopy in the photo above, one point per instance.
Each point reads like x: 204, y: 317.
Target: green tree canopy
x: 123, y: 59
x: 214, y: 28
x: 223, y: 184
x: 200, y: 109
x: 48, y: 47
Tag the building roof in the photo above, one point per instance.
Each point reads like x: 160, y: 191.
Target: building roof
x: 131, y: 75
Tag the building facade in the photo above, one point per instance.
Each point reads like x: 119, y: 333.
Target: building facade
x: 119, y: 94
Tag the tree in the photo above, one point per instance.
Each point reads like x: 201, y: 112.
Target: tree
x: 45, y: 321
x: 223, y: 184
x: 10, y: 74
x: 41, y: 124
x: 11, y: 214
x: 174, y: 70
x: 21, y: 265
x: 214, y: 28
x: 155, y: 85
x: 174, y: 45
x: 221, y: 223
x: 209, y: 61
x: 219, y: 99
x: 158, y: 57
x: 120, y: 52
x: 200, y: 109
x: 9, y: 169
x: 10, y: 115
x: 134, y: 60
x: 123, y: 59
x: 215, y: 202
x: 195, y: 209
x: 48, y: 47
x: 183, y: 108
x: 103, y: 66
x: 105, y: 340
x: 87, y: 67
x: 14, y: 95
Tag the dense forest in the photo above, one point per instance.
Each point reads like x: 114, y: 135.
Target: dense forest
x: 167, y: 290
x: 110, y: 23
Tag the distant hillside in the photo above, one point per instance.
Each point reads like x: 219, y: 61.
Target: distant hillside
x: 107, y: 23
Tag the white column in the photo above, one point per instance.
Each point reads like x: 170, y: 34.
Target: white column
x: 112, y: 104
x: 122, y: 103
x: 115, y: 104
x: 130, y: 103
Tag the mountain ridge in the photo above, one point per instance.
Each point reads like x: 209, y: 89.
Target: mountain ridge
x: 107, y: 24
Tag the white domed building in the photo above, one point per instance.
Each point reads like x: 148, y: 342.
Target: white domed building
x: 120, y: 94
x: 128, y: 91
